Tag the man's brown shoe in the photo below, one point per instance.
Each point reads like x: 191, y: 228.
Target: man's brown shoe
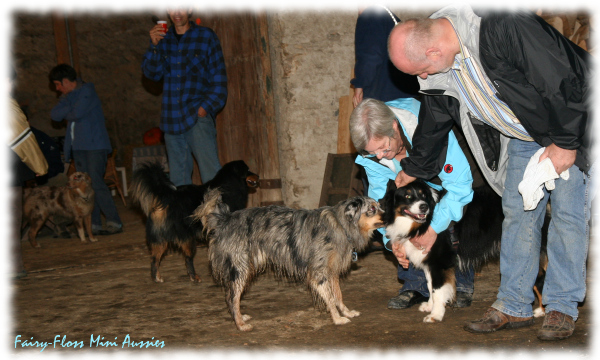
x: 494, y: 320
x: 556, y: 326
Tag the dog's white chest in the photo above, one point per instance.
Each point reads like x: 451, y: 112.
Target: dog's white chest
x: 399, y: 230
x: 413, y: 254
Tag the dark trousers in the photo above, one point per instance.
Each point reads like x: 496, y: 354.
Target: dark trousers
x: 93, y: 162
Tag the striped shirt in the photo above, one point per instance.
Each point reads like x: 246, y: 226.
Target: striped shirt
x: 194, y: 75
x: 482, y: 98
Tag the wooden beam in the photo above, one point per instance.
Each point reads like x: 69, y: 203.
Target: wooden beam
x: 65, y: 41
x: 344, y: 143
x: 269, y: 149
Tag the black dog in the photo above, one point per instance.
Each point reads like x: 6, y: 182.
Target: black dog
x: 168, y: 209
x: 408, y: 213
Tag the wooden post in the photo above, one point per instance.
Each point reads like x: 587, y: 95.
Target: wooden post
x: 270, y: 190
x: 65, y: 41
x: 344, y: 143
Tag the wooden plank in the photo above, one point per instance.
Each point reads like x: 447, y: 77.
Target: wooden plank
x: 344, y: 144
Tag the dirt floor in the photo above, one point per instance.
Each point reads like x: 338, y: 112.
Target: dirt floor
x: 77, y: 292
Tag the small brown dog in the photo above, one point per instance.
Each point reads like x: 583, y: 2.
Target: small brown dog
x: 63, y: 205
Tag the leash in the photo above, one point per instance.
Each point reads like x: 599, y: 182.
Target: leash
x: 389, y: 12
x: 453, y: 238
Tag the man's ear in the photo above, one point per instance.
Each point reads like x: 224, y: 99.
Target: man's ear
x: 433, y: 53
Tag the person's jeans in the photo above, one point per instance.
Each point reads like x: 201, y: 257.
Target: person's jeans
x: 201, y: 141
x: 568, y: 239
x: 93, y: 162
x: 414, y: 279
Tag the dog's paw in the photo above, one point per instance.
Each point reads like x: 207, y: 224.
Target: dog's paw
x: 539, y: 312
x: 430, y: 319
x: 196, y: 278
x: 159, y: 279
x: 246, y: 317
x: 93, y: 239
x: 245, y: 327
x: 425, y: 307
x: 341, y: 321
x: 351, y: 313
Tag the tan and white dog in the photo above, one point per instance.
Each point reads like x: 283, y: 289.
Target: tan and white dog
x: 63, y: 205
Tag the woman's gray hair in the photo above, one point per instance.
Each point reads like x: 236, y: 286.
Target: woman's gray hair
x: 371, y: 119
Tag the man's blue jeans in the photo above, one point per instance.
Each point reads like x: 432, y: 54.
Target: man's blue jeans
x: 414, y: 279
x: 568, y: 239
x: 93, y: 162
x: 201, y: 141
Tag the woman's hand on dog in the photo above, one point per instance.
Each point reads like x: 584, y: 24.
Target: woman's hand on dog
x: 403, y: 179
x: 400, y: 253
x: 425, y: 241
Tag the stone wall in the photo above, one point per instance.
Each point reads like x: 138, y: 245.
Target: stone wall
x: 312, y: 56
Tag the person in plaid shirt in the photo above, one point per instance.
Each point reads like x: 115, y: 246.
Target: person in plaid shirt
x: 189, y: 59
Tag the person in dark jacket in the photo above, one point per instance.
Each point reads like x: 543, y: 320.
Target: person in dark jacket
x: 86, y: 140
x: 519, y: 90
x: 375, y: 76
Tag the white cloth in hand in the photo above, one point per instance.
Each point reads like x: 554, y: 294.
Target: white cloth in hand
x: 537, y: 175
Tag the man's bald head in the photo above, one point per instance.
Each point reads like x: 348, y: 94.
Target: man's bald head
x: 420, y: 46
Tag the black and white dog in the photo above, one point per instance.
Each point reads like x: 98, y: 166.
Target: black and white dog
x: 408, y: 213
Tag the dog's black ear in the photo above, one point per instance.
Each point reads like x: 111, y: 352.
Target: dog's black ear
x: 436, y: 195
x: 439, y: 194
x: 391, y: 186
x: 240, y: 168
x: 389, y: 192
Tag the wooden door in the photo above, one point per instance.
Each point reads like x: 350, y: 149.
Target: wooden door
x: 246, y: 127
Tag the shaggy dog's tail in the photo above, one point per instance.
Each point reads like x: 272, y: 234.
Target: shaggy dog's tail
x: 151, y: 187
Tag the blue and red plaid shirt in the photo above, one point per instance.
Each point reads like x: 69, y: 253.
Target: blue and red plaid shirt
x: 194, y: 76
